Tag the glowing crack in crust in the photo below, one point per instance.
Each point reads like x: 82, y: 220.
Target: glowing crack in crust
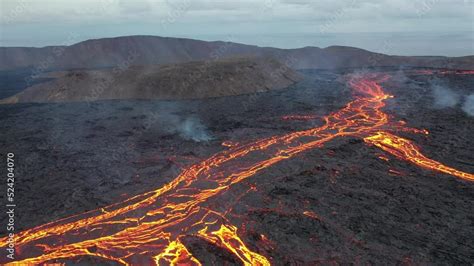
x: 150, y: 228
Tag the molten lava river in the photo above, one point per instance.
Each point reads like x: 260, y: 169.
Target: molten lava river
x: 148, y: 229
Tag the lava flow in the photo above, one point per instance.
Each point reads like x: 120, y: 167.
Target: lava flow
x: 152, y: 228
x: 406, y: 150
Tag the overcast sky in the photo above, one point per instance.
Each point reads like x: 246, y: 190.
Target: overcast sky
x: 405, y: 27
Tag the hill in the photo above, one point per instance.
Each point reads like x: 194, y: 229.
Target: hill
x: 190, y: 80
x: 152, y: 50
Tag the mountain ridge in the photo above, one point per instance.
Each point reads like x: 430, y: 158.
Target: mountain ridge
x: 151, y: 50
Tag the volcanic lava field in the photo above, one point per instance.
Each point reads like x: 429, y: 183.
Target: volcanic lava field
x: 350, y: 166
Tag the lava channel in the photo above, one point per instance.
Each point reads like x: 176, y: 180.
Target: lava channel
x: 150, y: 228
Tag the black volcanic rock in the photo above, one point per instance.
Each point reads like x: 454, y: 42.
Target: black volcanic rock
x: 73, y: 158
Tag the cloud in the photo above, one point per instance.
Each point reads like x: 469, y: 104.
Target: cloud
x: 135, y: 7
x: 193, y: 18
x: 367, y: 10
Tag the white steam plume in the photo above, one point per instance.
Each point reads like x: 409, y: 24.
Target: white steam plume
x: 468, y: 105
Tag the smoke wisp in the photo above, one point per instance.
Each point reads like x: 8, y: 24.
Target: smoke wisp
x: 188, y: 127
x: 191, y: 128
x: 468, y: 105
x: 444, y: 97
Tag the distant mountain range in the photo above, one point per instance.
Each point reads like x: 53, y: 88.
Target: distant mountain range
x: 151, y: 50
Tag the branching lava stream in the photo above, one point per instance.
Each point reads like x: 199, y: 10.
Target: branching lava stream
x: 149, y: 228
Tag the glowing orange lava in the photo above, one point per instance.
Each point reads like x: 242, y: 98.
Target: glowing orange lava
x: 150, y: 228
x: 406, y: 150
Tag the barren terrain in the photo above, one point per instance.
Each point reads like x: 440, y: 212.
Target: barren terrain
x: 152, y: 50
x: 192, y: 80
x: 343, y: 202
